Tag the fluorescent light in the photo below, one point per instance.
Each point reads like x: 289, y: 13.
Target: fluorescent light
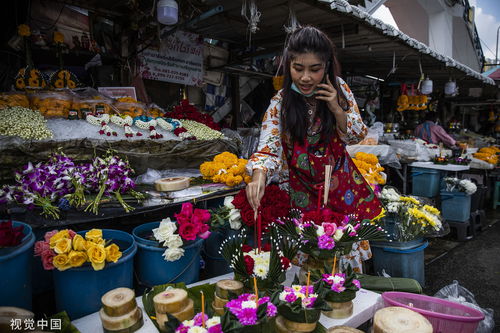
x: 374, y: 78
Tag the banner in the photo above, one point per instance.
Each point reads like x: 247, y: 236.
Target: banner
x: 179, y: 60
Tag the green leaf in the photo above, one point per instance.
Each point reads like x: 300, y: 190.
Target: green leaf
x: 66, y: 325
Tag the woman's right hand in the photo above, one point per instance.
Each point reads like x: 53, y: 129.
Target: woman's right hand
x: 256, y: 188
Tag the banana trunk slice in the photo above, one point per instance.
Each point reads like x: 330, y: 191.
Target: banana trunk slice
x: 118, y: 302
x: 224, y: 287
x: 343, y: 329
x: 7, y: 313
x: 131, y: 329
x: 219, y: 302
x: 187, y: 313
x: 400, y: 320
x: 122, y: 322
x: 170, y: 301
x: 299, y: 327
x: 217, y: 310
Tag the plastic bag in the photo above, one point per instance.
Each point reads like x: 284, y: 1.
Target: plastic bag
x: 456, y: 293
x: 374, y: 132
x: 52, y: 104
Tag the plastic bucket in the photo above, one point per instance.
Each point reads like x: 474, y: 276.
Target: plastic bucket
x: 455, y: 206
x: 445, y: 316
x: 400, y: 259
x: 78, y: 290
x: 16, y: 267
x: 215, y: 264
x: 151, y: 267
x: 425, y: 182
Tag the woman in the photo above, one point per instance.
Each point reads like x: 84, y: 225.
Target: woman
x: 306, y: 127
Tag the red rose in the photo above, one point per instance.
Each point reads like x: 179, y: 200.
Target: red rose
x: 247, y: 216
x: 266, y: 247
x: 182, y: 219
x: 188, y: 231
x: 246, y: 248
x: 249, y: 264
x: 202, y: 228
x: 240, y: 200
x: 285, y: 262
x: 201, y: 215
x: 9, y: 235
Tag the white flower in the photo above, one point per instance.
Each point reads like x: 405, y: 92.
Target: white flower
x: 173, y: 254
x: 261, y: 271
x: 164, y: 230
x: 248, y: 305
x: 338, y: 234
x: 188, y: 322
x: 468, y: 186
x: 320, y: 231
x: 197, y: 329
x: 213, y: 321
x: 173, y: 241
x: 228, y: 202
x: 283, y: 295
x: 393, y: 207
x: 235, y: 219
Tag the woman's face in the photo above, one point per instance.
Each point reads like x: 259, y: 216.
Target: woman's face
x: 307, y: 71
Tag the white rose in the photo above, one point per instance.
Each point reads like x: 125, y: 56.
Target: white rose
x: 173, y: 254
x: 164, y: 230
x: 338, y: 234
x: 228, y: 202
x: 173, y: 241
x: 235, y: 219
x: 320, y: 231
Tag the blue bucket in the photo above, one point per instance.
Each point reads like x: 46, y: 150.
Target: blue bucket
x: 16, y: 266
x: 151, y: 267
x: 455, y: 206
x: 215, y: 264
x: 425, y: 182
x: 78, y: 290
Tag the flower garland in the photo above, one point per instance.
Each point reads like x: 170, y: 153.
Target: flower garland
x: 226, y: 168
x: 188, y: 111
x: 370, y: 168
x: 102, y: 121
x: 125, y: 122
x: 201, y: 131
x: 168, y: 124
x: 488, y: 154
x: 148, y: 123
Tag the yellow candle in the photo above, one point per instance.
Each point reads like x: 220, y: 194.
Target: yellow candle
x: 202, y: 309
x: 334, y: 264
x: 308, y: 281
x: 256, y: 290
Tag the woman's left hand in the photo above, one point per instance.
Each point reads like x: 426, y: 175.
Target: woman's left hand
x: 328, y: 94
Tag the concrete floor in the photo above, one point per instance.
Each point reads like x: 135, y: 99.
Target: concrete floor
x: 475, y: 264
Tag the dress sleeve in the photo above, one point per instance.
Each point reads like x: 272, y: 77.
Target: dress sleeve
x: 269, y: 152
x: 356, y: 129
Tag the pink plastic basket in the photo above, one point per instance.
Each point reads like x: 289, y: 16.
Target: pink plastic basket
x: 445, y: 316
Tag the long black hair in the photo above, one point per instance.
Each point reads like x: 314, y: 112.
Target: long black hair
x: 294, y: 110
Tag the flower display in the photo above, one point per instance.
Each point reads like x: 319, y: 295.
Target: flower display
x: 24, y: 123
x: 413, y: 219
x: 148, y: 123
x: 101, y: 121
x: 201, y: 131
x: 338, y: 287
x: 298, y: 293
x: 212, y: 325
x: 370, y: 168
x: 459, y: 185
x: 189, y: 112
x: 191, y: 223
x: 247, y: 309
x: 226, y: 168
x: 226, y: 215
x: 275, y: 203
x: 66, y: 249
x: 488, y: 154
x: 126, y: 122
x: 9, y: 235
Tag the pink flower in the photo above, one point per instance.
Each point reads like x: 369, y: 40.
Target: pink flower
x: 40, y: 247
x: 198, y: 321
x: 204, y: 235
x: 247, y: 316
x: 308, y: 302
x: 271, y: 310
x: 202, y: 214
x: 329, y: 228
x: 47, y: 259
x: 71, y: 233
x: 188, y: 231
x: 326, y: 242
x: 187, y: 209
x: 49, y: 234
x: 356, y: 283
x: 215, y: 329
x: 290, y: 298
x: 203, y: 231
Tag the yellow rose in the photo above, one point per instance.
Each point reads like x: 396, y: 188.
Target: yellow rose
x: 61, y: 262
x: 97, y: 256
x: 63, y: 246
x: 94, y: 235
x: 77, y: 258
x: 113, y: 253
x: 60, y: 235
x: 79, y: 243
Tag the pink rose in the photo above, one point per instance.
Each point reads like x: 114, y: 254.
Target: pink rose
x: 49, y: 234
x: 187, y: 209
x: 188, y: 231
x: 182, y: 219
x: 40, y: 247
x: 47, y: 259
x: 203, y: 231
x: 329, y: 228
x: 71, y: 233
x: 203, y: 214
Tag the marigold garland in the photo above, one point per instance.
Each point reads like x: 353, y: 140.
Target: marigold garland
x: 488, y: 154
x: 226, y: 168
x: 369, y: 167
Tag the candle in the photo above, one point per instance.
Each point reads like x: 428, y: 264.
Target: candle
x: 334, y: 263
x: 202, y: 308
x: 259, y: 232
x: 256, y: 290
x: 308, y: 281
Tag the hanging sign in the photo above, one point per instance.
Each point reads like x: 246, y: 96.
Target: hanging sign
x: 179, y: 60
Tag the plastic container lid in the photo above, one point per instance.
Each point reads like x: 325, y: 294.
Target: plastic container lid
x: 168, y: 3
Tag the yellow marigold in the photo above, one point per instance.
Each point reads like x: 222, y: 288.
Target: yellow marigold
x: 58, y: 37
x: 248, y: 179
x: 127, y: 100
x: 23, y: 30
x: 366, y: 157
x: 226, y: 158
x: 487, y: 150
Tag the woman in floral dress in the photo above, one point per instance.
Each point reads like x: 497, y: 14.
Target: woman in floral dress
x: 307, y: 126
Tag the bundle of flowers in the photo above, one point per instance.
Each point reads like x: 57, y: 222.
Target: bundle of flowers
x: 323, y: 235
x: 190, y: 112
x: 66, y: 249
x: 247, y: 313
x: 226, y: 215
x: 225, y: 168
x: 24, y: 123
x: 191, y: 223
x: 201, y: 131
x: 275, y: 203
x: 370, y: 168
x: 488, y: 154
x: 9, y: 235
x: 413, y: 219
x: 267, y: 264
x: 459, y: 185
x: 440, y: 160
x: 460, y: 160
x: 200, y: 325
x: 338, y: 287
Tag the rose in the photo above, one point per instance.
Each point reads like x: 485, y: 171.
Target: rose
x: 173, y: 241
x: 47, y: 259
x: 188, y: 231
x: 164, y: 230
x: 58, y: 236
x: 49, y: 235
x: 228, y: 202
x: 203, y: 231
x: 240, y: 200
x: 329, y: 228
x: 97, y: 256
x: 62, y: 246
x: 266, y: 247
x: 77, y: 258
x: 187, y: 209
x: 9, y: 235
x: 94, y: 235
x: 202, y: 215
x: 247, y: 216
x: 338, y: 234
x: 61, y: 262
x: 40, y: 247
x: 249, y: 264
x: 246, y: 248
x: 235, y: 219
x: 79, y: 243
x: 112, y: 253
x: 173, y: 254
x: 285, y: 263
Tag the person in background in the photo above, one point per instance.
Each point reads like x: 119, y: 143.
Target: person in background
x: 433, y: 133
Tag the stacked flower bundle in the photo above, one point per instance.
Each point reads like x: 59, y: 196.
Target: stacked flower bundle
x: 225, y: 168
x: 201, y: 323
x: 191, y: 223
x: 249, y: 313
x: 370, y: 168
x: 413, y: 218
x: 189, y: 112
x: 66, y: 249
x: 24, y: 123
x: 488, y: 154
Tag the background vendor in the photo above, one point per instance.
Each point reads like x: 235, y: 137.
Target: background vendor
x: 433, y: 133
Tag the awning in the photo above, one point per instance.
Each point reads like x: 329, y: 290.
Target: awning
x: 366, y: 46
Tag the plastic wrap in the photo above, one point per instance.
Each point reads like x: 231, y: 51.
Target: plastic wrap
x: 458, y: 294
x: 14, y: 98
x: 155, y: 111
x: 130, y: 108
x: 250, y: 141
x: 386, y: 154
x: 373, y: 135
x: 410, y: 150
x: 151, y: 175
x: 52, y: 104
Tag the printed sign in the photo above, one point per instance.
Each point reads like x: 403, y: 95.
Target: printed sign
x: 179, y: 60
